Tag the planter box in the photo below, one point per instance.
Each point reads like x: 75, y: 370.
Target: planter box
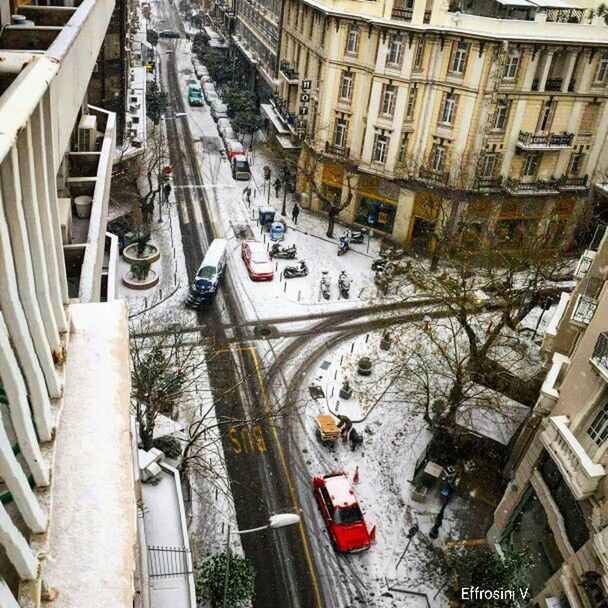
x: 346, y: 393
x: 419, y: 495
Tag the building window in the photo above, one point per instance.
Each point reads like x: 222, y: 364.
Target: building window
x: 576, y: 164
x: 531, y: 166
x: 380, y: 149
x: 502, y: 113
x: 389, y: 93
x: 395, y: 51
x: 511, y: 66
x: 459, y: 58
x: 602, y: 70
x: 488, y: 165
x: 346, y: 86
x: 352, y: 41
x: 403, y: 145
x: 598, y: 429
x: 419, y: 57
x: 340, y: 131
x: 438, y: 157
x: 411, y: 104
x: 448, y: 110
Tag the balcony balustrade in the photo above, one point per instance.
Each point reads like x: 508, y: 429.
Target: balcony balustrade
x: 288, y: 73
x: 599, y: 357
x: 550, y: 141
x: 489, y: 183
x: 582, y: 268
x: 402, y: 13
x: 584, y: 309
x: 574, y: 183
x: 579, y: 471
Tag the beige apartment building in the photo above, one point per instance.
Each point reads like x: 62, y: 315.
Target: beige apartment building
x: 503, y: 102
x: 556, y: 504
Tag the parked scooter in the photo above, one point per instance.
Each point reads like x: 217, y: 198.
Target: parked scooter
x: 380, y: 262
x: 291, y: 272
x: 325, y: 285
x: 287, y: 252
x: 344, y: 244
x: 357, y: 236
x: 344, y: 284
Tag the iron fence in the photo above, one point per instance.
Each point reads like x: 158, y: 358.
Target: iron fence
x: 168, y: 562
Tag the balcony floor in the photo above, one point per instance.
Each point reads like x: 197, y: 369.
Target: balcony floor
x: 92, y: 530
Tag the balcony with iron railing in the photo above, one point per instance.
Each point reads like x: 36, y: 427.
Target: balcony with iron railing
x: 290, y: 75
x: 574, y: 184
x: 550, y: 141
x: 339, y: 151
x: 518, y: 187
x: 489, y: 184
x: 580, y: 473
x: 433, y: 176
x: 583, y: 311
x: 599, y: 357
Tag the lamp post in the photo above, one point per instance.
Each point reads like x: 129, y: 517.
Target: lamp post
x: 280, y: 520
x: 410, y: 535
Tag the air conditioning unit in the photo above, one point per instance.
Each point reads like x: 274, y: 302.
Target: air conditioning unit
x: 87, y: 133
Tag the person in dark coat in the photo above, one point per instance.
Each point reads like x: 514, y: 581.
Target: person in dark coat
x: 294, y: 213
x: 277, y: 186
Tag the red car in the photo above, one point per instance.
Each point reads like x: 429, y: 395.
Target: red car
x: 257, y: 260
x: 341, y: 512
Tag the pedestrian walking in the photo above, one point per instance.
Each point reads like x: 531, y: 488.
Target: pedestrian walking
x: 277, y: 186
x: 248, y: 195
x: 167, y: 191
x: 294, y: 213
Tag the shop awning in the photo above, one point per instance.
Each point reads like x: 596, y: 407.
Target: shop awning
x: 557, y: 4
x: 274, y: 118
x: 522, y: 3
x: 286, y: 143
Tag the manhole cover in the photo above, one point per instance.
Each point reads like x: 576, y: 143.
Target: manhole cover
x: 325, y: 365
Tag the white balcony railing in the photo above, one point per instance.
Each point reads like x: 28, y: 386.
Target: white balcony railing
x: 599, y: 357
x: 583, y: 311
x: 584, y: 264
x: 549, y: 392
x: 581, y: 474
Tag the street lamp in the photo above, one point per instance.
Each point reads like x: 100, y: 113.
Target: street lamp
x: 280, y: 520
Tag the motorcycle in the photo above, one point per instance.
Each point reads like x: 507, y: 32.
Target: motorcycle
x: 325, y: 285
x: 357, y: 236
x: 380, y: 262
x: 287, y: 252
x: 344, y: 284
x: 291, y: 272
x: 344, y: 244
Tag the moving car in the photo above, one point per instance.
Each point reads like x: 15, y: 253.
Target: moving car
x: 209, y: 275
x: 257, y: 260
x: 338, y: 505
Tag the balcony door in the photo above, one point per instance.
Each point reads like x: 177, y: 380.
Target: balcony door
x: 545, y: 118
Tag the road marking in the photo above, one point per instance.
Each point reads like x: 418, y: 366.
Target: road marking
x: 292, y: 491
x: 245, y: 441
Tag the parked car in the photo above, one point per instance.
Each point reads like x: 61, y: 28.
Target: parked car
x: 233, y: 148
x: 208, y: 88
x: 228, y: 134
x: 222, y: 125
x: 240, y: 168
x: 203, y: 70
x: 209, y: 275
x: 168, y: 34
x: 195, y: 94
x: 205, y: 80
x: 212, y: 97
x: 218, y: 110
x: 258, y: 262
x: 343, y: 517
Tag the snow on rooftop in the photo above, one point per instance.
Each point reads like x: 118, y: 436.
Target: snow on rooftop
x: 92, y: 524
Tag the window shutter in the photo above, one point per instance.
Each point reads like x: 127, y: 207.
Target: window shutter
x: 589, y: 118
x: 466, y: 57
x: 452, y: 56
x: 442, y: 107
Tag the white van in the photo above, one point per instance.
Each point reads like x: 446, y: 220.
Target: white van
x: 208, y: 275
